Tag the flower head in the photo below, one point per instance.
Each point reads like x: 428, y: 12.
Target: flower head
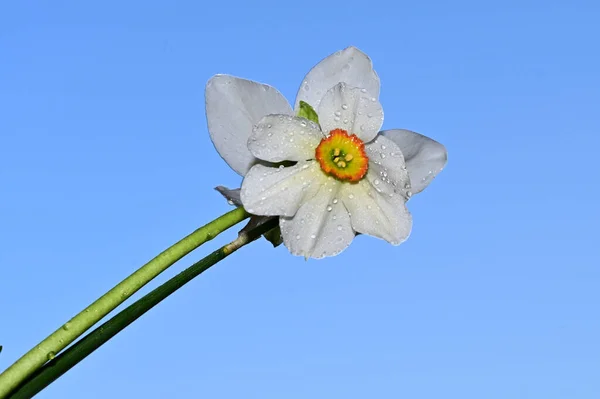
x: 329, y: 173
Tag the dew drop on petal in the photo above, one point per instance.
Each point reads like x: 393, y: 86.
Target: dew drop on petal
x: 363, y: 90
x: 376, y: 182
x: 382, y: 155
x: 344, y: 106
x: 337, y: 113
x: 339, y: 227
x: 351, y: 196
x: 313, y: 236
x: 298, y: 237
x: 329, y: 208
x: 335, y: 201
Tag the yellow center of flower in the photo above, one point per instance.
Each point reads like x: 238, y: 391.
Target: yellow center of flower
x: 343, y: 156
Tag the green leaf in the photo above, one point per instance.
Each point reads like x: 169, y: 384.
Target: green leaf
x: 308, y: 112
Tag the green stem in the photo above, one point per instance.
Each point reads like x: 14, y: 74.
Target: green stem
x: 71, y: 330
x: 84, y: 347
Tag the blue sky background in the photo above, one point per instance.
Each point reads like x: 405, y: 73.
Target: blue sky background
x: 105, y: 160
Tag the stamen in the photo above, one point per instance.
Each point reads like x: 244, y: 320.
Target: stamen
x: 341, y: 164
x: 349, y: 157
x: 336, y: 152
x: 336, y: 159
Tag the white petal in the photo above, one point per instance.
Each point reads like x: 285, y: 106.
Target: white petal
x: 321, y: 227
x: 387, y: 171
x: 233, y: 106
x: 352, y: 109
x: 424, y: 157
x: 377, y: 214
x: 279, y: 138
x: 349, y: 65
x: 279, y: 191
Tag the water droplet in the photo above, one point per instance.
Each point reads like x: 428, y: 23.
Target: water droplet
x: 305, y: 166
x: 344, y: 106
x: 303, y: 124
x: 351, y: 196
x: 345, y: 120
x: 376, y: 182
x: 334, y: 217
x: 51, y: 355
x: 383, y: 147
x: 337, y: 113
x: 373, y: 99
x: 408, y: 194
x: 66, y: 326
x: 363, y: 90
x: 407, y: 186
x: 382, y: 155
x: 269, y: 126
x: 329, y: 208
x: 369, y: 115
x: 298, y: 237
x: 335, y: 201
x: 337, y: 118
x: 362, y: 127
x: 313, y: 236
x: 339, y: 227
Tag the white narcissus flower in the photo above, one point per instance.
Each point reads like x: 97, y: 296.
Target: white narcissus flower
x: 330, y: 177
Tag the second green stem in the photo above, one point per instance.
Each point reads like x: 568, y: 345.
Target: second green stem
x: 71, y: 330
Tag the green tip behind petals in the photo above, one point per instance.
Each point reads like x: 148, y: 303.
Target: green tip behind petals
x: 308, y: 112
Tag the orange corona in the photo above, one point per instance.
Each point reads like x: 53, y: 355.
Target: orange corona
x: 343, y: 156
